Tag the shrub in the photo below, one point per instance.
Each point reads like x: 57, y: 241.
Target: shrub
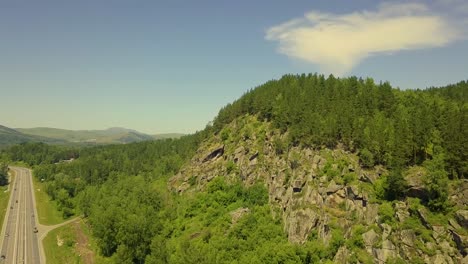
x: 386, y: 213
x: 367, y: 158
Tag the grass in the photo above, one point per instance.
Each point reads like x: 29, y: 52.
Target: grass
x: 92, y: 244
x: 46, y: 208
x: 59, y: 246
x: 62, y: 246
x: 4, y: 198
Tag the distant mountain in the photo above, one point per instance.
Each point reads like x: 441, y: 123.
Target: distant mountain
x: 168, y: 135
x: 113, y: 135
x: 9, y: 136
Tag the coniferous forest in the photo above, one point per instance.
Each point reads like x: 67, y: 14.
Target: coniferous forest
x: 122, y: 192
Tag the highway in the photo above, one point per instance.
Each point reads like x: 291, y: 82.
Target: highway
x: 19, y: 238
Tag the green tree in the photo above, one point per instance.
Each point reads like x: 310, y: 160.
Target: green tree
x: 3, y: 174
x: 396, y: 185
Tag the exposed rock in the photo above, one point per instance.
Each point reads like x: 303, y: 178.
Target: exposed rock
x: 306, y: 201
x: 439, y: 259
x: 341, y: 255
x: 297, y: 186
x: 454, y: 223
x: 464, y: 260
x: 439, y: 233
x: 371, y: 215
x: 421, y: 212
x: 333, y: 188
x: 387, y: 230
x: 401, y: 211
x: 254, y: 156
x: 367, y: 177
x: 300, y: 223
x: 353, y: 192
x: 370, y: 238
x: 461, y: 242
x: 416, y: 187
x: 238, y: 213
x: 217, y: 152
x: 460, y: 194
x: 462, y: 217
x: 184, y: 186
x: 447, y: 248
x: 408, y: 237
x: 388, y: 251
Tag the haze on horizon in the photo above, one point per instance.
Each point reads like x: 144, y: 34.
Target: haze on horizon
x: 169, y: 66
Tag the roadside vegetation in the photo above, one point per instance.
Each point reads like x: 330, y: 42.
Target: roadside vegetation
x: 47, y: 209
x: 4, y: 190
x: 72, y: 243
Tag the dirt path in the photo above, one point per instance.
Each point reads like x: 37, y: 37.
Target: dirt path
x: 45, y: 229
x: 82, y: 248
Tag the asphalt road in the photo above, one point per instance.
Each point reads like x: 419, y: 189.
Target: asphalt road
x: 19, y: 242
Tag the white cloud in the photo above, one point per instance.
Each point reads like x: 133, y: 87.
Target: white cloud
x: 338, y: 42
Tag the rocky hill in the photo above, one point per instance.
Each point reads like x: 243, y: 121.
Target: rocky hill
x: 322, y: 194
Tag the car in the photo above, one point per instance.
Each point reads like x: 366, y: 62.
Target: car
x: 35, y: 230
x: 2, y: 257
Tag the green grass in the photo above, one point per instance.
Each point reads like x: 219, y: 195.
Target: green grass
x: 66, y: 251
x: 4, y: 198
x: 63, y: 253
x: 92, y: 243
x: 46, y: 209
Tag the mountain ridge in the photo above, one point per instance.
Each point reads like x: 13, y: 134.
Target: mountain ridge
x: 112, y: 135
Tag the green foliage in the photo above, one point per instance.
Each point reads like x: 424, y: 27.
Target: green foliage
x: 386, y: 213
x: 280, y: 146
x: 3, y: 174
x: 396, y: 185
x: 436, y: 182
x: 225, y: 133
x: 350, y: 177
x: 388, y: 126
x: 337, y: 240
x: 367, y: 158
x: 231, y: 167
x: 356, y: 241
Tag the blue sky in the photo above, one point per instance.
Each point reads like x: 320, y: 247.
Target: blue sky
x: 169, y: 66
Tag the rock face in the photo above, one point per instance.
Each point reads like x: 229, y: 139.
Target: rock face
x: 318, y: 191
x: 237, y: 214
x: 462, y: 217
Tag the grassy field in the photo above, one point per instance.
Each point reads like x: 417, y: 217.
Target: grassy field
x: 46, y: 209
x: 72, y: 244
x: 4, y: 198
x: 59, y: 246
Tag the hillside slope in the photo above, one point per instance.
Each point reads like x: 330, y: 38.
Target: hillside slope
x: 325, y: 196
x: 10, y: 136
x: 107, y: 136
x: 305, y: 169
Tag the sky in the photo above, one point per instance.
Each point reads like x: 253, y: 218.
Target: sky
x: 169, y: 66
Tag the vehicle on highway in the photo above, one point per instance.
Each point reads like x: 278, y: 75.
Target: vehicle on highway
x: 35, y: 230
